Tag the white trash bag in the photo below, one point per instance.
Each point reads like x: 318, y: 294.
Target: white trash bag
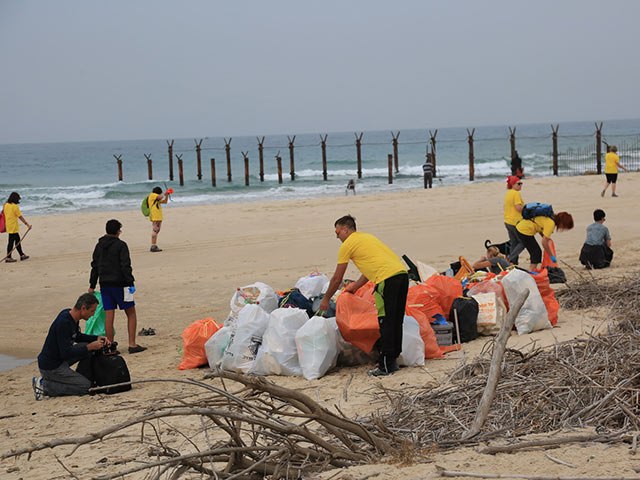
x: 278, y: 354
x: 216, y: 345
x: 317, y: 343
x: 412, y: 344
x: 257, y: 293
x: 491, y: 312
x: 246, y: 339
x: 313, y: 284
x: 533, y: 314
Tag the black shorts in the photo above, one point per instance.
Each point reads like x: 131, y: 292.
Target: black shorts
x: 530, y: 243
x: 611, y: 177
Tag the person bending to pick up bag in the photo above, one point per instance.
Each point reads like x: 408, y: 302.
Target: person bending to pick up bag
x: 64, y: 346
x: 545, y: 226
x: 380, y: 265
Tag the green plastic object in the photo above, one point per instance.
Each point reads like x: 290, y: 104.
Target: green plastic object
x: 145, y: 206
x: 95, y: 325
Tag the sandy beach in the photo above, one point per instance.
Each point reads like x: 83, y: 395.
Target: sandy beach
x: 211, y: 250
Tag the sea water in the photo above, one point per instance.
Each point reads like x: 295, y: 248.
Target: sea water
x: 82, y: 176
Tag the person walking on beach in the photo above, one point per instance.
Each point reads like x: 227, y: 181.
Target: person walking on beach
x: 378, y: 264
x: 596, y: 251
x: 111, y: 265
x: 65, y: 345
x: 612, y: 162
x: 156, y: 199
x: 513, y: 206
x: 427, y: 170
x: 545, y: 227
x: 11, y: 215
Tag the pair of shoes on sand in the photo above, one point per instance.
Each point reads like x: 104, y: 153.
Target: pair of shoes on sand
x: 147, y: 331
x: 137, y: 349
x: 13, y: 260
x: 37, y: 383
x: 384, y: 368
x: 155, y: 248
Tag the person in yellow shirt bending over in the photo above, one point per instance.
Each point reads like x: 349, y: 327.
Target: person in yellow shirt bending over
x: 545, y: 227
x: 378, y: 264
x: 11, y: 215
x: 513, y: 206
x: 156, y: 199
x: 612, y: 162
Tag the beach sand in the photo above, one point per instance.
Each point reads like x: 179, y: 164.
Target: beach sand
x: 211, y: 250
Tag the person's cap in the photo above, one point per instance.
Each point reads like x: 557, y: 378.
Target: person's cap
x: 512, y: 180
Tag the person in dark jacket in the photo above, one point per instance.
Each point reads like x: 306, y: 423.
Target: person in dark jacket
x: 64, y: 346
x: 111, y: 265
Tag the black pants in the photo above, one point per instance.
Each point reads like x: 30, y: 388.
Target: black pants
x: 530, y: 243
x: 596, y: 256
x: 428, y: 179
x: 392, y: 292
x: 14, y: 238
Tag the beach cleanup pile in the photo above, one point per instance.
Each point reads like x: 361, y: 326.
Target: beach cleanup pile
x: 283, y: 333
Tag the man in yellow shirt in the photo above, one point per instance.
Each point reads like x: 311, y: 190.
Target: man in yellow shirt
x: 378, y: 264
x: 612, y: 162
x: 513, y: 206
x: 156, y: 199
x: 11, y: 216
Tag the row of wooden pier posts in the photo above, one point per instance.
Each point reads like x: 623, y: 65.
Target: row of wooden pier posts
x: 392, y: 158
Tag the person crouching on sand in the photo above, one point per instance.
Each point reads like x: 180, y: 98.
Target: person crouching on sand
x: 545, y: 226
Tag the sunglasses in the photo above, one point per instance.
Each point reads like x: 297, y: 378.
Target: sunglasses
x: 519, y: 183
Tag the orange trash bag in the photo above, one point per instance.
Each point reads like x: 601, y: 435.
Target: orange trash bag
x: 193, y: 339
x: 357, y: 318
x: 548, y: 295
x: 422, y: 307
x: 444, y: 290
x: 546, y: 260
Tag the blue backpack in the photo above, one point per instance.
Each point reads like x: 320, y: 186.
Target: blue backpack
x: 536, y: 209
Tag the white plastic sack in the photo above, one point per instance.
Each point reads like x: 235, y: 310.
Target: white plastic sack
x: 425, y: 271
x: 412, y: 344
x: 313, y: 285
x: 246, y: 339
x: 317, y: 344
x: 278, y: 354
x: 533, y: 314
x: 491, y: 312
x: 216, y: 345
x: 257, y: 293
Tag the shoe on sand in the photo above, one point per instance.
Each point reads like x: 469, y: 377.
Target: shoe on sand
x: 614, y: 195
x: 38, y: 387
x: 137, y: 349
x: 602, y: 193
x: 24, y: 257
x: 155, y: 248
x: 10, y: 260
x: 379, y: 372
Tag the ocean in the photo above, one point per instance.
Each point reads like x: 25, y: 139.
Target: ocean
x: 56, y: 178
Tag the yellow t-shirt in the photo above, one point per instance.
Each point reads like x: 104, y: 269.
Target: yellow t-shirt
x: 155, y: 208
x: 511, y: 199
x: 11, y: 215
x: 543, y: 225
x: 611, y: 162
x: 373, y: 258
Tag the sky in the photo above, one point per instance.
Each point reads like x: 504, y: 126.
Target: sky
x: 77, y: 70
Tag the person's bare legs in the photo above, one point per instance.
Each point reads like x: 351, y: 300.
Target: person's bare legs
x: 132, y: 325
x: 155, y: 230
x: 109, y: 316
x: 606, y: 185
x: 613, y: 189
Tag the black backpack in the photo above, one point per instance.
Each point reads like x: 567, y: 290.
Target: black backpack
x: 103, y: 370
x: 467, y: 309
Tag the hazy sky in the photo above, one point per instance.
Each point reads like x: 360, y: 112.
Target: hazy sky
x: 107, y: 70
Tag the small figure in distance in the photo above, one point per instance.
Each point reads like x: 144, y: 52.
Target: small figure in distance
x: 351, y: 186
x: 11, y: 215
x: 156, y: 199
x: 517, y: 170
x: 596, y: 251
x: 493, y: 262
x: 612, y: 162
x: 427, y: 170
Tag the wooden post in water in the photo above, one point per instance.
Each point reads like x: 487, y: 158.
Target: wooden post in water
x: 323, y: 143
x: 198, y: 159
x: 149, y: 166
x: 119, y: 160
x: 599, y: 147
x: 390, y: 158
x: 170, y: 160
x: 213, y: 172
x: 395, y: 149
x: 555, y: 148
x: 359, y: 152
x: 261, y: 157
x: 279, y: 162
x: 227, y: 149
x: 433, y: 150
x: 471, y: 157
x: 180, y: 172
x: 245, y: 155
x: 293, y: 170
x: 512, y: 141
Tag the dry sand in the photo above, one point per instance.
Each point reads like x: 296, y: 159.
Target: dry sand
x: 210, y: 250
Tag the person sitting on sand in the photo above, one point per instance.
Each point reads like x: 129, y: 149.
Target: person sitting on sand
x: 545, y: 226
x: 596, y: 251
x: 65, y: 345
x: 493, y: 262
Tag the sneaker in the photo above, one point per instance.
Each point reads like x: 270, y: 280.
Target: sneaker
x: 155, y: 248
x: 24, y: 257
x: 378, y: 372
x: 602, y: 194
x: 10, y: 260
x: 38, y: 387
x: 614, y: 195
x: 137, y: 349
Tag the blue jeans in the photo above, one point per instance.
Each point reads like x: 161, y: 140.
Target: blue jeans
x: 64, y: 381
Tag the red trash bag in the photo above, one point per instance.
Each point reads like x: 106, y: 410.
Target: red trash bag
x: 357, y: 319
x: 546, y: 259
x: 548, y: 295
x: 193, y: 339
x: 444, y: 290
x: 422, y: 307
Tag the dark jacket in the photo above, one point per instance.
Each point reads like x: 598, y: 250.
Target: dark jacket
x: 111, y: 264
x: 61, y: 343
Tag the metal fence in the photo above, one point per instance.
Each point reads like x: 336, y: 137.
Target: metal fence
x: 584, y: 161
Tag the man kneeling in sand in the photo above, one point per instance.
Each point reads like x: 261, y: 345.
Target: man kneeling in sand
x: 65, y: 345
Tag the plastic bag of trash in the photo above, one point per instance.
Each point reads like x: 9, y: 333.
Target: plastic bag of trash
x: 313, y: 284
x: 257, y: 293
x: 349, y: 355
x: 317, y: 343
x: 246, y: 339
x: 278, y: 354
x: 412, y: 344
x: 216, y: 345
x: 533, y: 314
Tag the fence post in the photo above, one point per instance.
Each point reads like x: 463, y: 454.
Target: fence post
x: 395, y: 149
x: 555, y: 148
x: 198, y: 158
x: 227, y: 148
x: 180, y: 172
x: 323, y: 142
x: 279, y: 162
x: 433, y: 150
x: 512, y: 141
x: 119, y: 160
x: 170, y: 160
x: 293, y: 170
x: 390, y: 158
x: 213, y: 172
x: 245, y: 155
x: 599, y: 147
x: 149, y: 166
x: 261, y: 157
x: 471, y: 157
x: 359, y: 152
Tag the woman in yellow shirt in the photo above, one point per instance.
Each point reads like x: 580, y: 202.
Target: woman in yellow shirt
x: 545, y: 226
x: 11, y: 215
x: 513, y: 206
x: 156, y: 199
x: 611, y: 164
